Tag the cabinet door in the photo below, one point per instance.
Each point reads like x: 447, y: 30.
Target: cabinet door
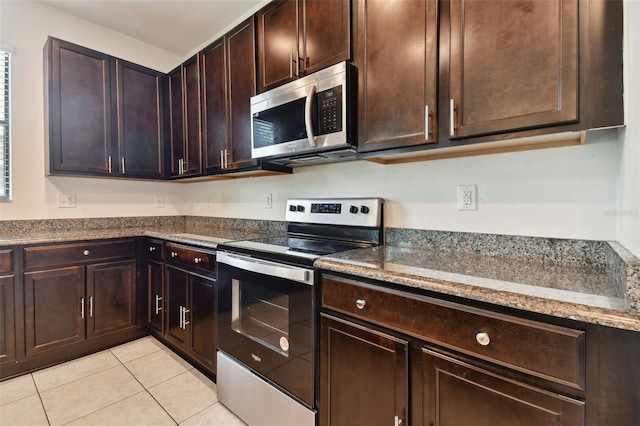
x: 7, y: 319
x: 55, y: 308
x: 175, y: 303
x: 176, y: 121
x: 202, y: 320
x: 79, y: 109
x: 214, y: 106
x: 111, y: 293
x: 242, y: 85
x: 277, y: 44
x: 155, y: 282
x: 364, y: 375
x: 513, y: 65
x: 193, y: 139
x: 139, y: 121
x: 396, y: 56
x: 325, y: 38
x: 457, y: 393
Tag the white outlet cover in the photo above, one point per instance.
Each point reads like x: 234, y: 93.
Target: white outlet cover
x: 467, y: 197
x: 66, y: 201
x: 269, y: 201
x: 159, y: 201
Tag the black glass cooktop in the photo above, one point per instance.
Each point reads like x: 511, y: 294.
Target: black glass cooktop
x: 290, y: 249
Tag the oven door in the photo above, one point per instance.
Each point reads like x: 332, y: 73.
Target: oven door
x: 266, y: 321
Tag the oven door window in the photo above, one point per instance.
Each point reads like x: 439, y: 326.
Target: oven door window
x: 261, y: 314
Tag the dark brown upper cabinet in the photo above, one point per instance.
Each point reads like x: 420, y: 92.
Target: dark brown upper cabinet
x: 499, y: 71
x: 298, y: 37
x: 185, y: 132
x: 104, y: 116
x: 228, y: 69
x: 396, y: 57
x: 513, y: 65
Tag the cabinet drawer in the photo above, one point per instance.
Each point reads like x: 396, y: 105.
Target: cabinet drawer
x: 6, y: 261
x: 70, y: 254
x: 544, y: 350
x: 153, y: 249
x: 190, y: 257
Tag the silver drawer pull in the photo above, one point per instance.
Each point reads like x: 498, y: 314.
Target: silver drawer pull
x: 152, y: 248
x: 86, y: 252
x: 360, y: 303
x: 483, y: 338
x: 397, y: 421
x: 185, y: 311
x: 197, y: 260
x: 174, y: 254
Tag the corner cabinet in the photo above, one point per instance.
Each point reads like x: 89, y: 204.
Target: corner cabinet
x: 104, y: 116
x: 390, y: 356
x: 298, y: 37
x: 185, y: 135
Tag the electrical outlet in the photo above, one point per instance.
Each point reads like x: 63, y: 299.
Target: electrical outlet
x: 269, y: 201
x: 209, y: 200
x: 66, y: 201
x: 159, y: 201
x: 467, y: 197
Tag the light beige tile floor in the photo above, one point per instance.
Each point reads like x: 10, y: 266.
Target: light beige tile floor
x: 138, y: 383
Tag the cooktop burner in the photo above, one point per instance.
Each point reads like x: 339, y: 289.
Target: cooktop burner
x: 318, y: 227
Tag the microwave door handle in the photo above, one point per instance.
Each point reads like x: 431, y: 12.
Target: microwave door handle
x: 307, y: 117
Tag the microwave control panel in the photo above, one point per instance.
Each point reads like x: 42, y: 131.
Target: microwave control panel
x: 330, y: 110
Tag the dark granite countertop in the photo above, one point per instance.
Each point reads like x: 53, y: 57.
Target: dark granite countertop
x: 592, y: 294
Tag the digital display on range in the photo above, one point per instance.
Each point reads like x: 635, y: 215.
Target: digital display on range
x: 335, y: 208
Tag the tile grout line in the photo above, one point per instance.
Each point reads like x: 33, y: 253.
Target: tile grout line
x: 44, y: 409
x: 145, y: 389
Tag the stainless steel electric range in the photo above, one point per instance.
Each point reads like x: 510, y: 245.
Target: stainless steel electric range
x: 268, y: 308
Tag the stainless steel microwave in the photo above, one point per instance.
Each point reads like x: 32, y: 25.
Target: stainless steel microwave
x: 307, y: 121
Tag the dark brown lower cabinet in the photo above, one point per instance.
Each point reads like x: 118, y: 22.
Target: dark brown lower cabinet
x: 7, y: 319
x: 190, y: 309
x: 458, y: 393
x: 68, y: 305
x: 364, y: 375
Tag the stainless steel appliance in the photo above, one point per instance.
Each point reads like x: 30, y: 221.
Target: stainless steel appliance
x: 307, y: 121
x: 268, y: 308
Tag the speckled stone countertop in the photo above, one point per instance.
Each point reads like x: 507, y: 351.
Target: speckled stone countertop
x: 594, y: 282
x: 199, y: 231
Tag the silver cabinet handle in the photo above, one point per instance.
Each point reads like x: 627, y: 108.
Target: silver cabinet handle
x: 109, y: 165
x: 197, y: 260
x: 82, y: 307
x: 152, y: 248
x: 185, y: 311
x: 86, y: 253
x: 180, y: 320
x: 222, y: 159
x: 483, y: 338
x: 452, y: 117
x: 226, y: 158
x: 174, y: 254
x: 158, y: 307
x: 184, y: 167
x: 123, y: 171
x: 397, y: 421
x: 91, y: 306
x: 180, y: 167
x: 360, y: 303
x: 291, y: 65
x: 426, y: 122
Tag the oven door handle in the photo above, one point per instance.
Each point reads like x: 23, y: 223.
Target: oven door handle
x: 265, y: 267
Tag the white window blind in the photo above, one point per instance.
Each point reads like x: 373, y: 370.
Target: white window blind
x: 5, y: 169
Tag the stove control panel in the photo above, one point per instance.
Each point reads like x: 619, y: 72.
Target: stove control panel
x: 365, y: 212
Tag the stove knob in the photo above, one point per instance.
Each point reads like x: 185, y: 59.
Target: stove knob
x: 364, y: 209
x: 353, y: 209
x: 292, y: 208
x: 300, y: 208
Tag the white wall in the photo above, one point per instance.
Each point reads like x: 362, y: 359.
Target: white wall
x: 628, y: 210
x: 588, y: 191
x: 24, y: 27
